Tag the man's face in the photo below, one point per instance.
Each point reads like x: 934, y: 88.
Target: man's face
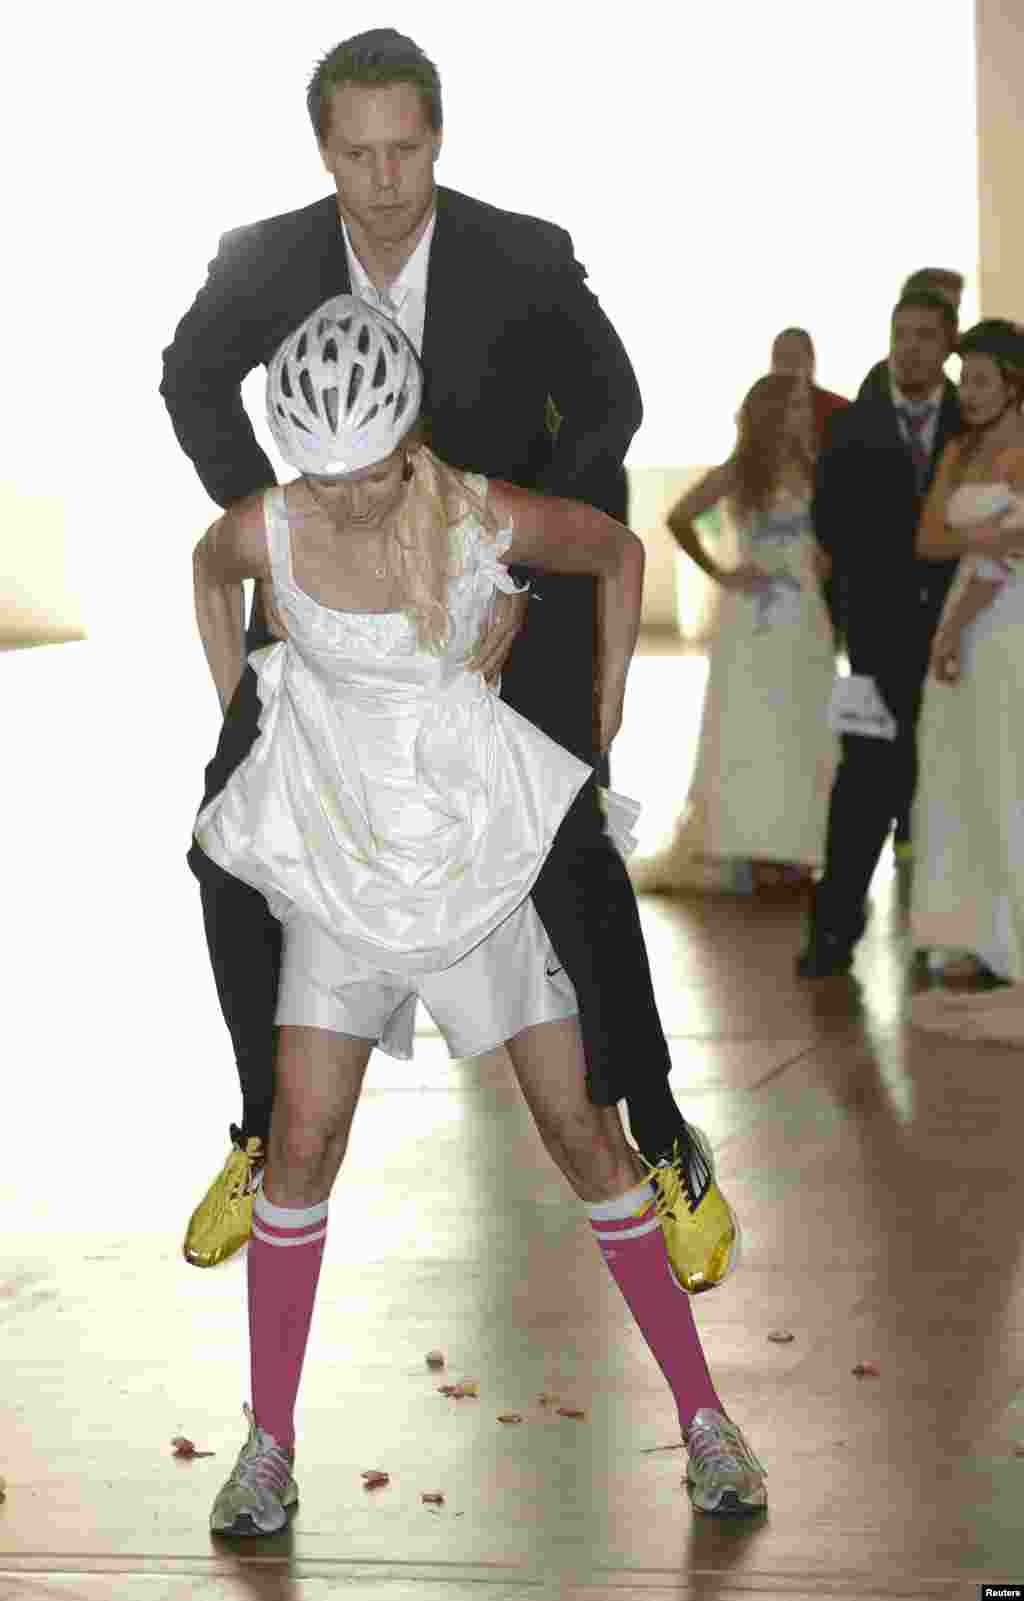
x: 918, y: 348
x: 380, y: 150
x: 793, y: 356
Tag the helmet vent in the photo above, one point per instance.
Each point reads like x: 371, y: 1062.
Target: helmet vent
x: 330, y: 400
x: 302, y: 347
x: 355, y: 383
x: 286, y: 382
x: 331, y: 350
x: 380, y: 372
x: 308, y: 392
x: 363, y: 342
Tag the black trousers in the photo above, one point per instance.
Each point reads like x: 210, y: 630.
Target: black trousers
x: 873, y: 788
x: 583, y: 897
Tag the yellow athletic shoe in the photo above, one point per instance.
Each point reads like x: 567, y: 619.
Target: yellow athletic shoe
x: 221, y: 1223
x: 703, y: 1237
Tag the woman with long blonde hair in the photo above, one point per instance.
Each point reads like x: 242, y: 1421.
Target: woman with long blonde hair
x: 757, y: 806
x: 395, y: 813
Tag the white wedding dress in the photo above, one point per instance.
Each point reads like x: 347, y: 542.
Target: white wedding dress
x: 391, y: 797
x: 766, y: 756
x: 968, y: 824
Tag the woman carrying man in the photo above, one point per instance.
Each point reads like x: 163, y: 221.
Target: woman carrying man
x: 395, y: 813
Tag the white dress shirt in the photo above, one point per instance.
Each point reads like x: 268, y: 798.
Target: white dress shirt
x: 405, y: 300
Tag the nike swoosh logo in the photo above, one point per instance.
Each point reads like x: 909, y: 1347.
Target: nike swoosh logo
x: 551, y: 971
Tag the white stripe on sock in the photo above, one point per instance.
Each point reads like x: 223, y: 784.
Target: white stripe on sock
x: 621, y: 1205
x: 287, y: 1217
x: 275, y: 1239
x: 630, y: 1234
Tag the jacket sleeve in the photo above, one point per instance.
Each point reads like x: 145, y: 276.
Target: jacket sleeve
x: 215, y: 345
x: 593, y: 386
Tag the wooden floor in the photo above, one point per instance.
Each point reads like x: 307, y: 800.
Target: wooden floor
x: 877, y: 1174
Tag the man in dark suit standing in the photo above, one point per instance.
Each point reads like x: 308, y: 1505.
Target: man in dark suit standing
x: 508, y: 333
x: 873, y: 473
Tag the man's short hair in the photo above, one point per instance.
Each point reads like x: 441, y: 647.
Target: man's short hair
x: 944, y: 279
x: 930, y: 300
x: 379, y: 56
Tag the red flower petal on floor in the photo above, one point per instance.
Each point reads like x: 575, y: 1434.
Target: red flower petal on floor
x: 373, y: 1478
x: 780, y: 1337
x: 184, y: 1448
x: 867, y: 1370
x: 435, y: 1359
x: 510, y: 1417
x: 433, y: 1496
x: 570, y: 1412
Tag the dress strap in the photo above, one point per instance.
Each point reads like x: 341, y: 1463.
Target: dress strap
x: 279, y: 540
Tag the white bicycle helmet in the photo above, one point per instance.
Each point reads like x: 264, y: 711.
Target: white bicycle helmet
x: 343, y: 390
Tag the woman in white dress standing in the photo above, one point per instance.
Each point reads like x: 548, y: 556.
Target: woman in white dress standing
x: 395, y: 813
x: 968, y: 889
x: 766, y: 756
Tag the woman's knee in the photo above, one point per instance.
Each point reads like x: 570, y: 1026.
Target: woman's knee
x: 595, y: 1165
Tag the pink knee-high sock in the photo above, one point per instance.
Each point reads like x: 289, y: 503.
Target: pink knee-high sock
x: 630, y: 1240
x: 285, y: 1253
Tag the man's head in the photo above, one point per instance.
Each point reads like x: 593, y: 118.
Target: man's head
x: 793, y: 353
x: 941, y: 281
x: 375, y: 105
x: 922, y: 336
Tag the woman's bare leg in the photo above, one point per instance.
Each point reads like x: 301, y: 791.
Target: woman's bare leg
x: 317, y: 1082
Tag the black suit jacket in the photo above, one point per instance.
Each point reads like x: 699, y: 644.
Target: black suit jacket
x: 509, y: 321
x: 866, y: 510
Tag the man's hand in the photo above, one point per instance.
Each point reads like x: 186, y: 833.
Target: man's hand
x: 497, y: 637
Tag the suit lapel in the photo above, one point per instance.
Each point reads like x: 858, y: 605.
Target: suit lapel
x: 445, y: 284
x: 333, y: 258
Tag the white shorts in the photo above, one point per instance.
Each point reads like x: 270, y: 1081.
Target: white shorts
x: 508, y: 982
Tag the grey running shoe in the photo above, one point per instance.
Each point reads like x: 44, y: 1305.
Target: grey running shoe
x: 260, y: 1492
x: 723, y: 1475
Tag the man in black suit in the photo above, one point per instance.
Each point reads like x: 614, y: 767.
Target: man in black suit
x: 509, y: 333
x: 873, y: 473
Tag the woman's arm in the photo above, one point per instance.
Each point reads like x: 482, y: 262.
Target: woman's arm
x: 232, y: 549
x: 936, y: 541
x: 704, y: 495
x: 566, y: 536
x: 971, y: 598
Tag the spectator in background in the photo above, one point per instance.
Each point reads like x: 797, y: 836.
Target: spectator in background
x: 950, y: 285
x: 793, y: 353
x: 758, y: 803
x: 872, y: 478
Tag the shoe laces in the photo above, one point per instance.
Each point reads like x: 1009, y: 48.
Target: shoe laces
x: 716, y: 1445
x: 245, y: 1163
x: 684, y: 1174
x: 262, y: 1463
